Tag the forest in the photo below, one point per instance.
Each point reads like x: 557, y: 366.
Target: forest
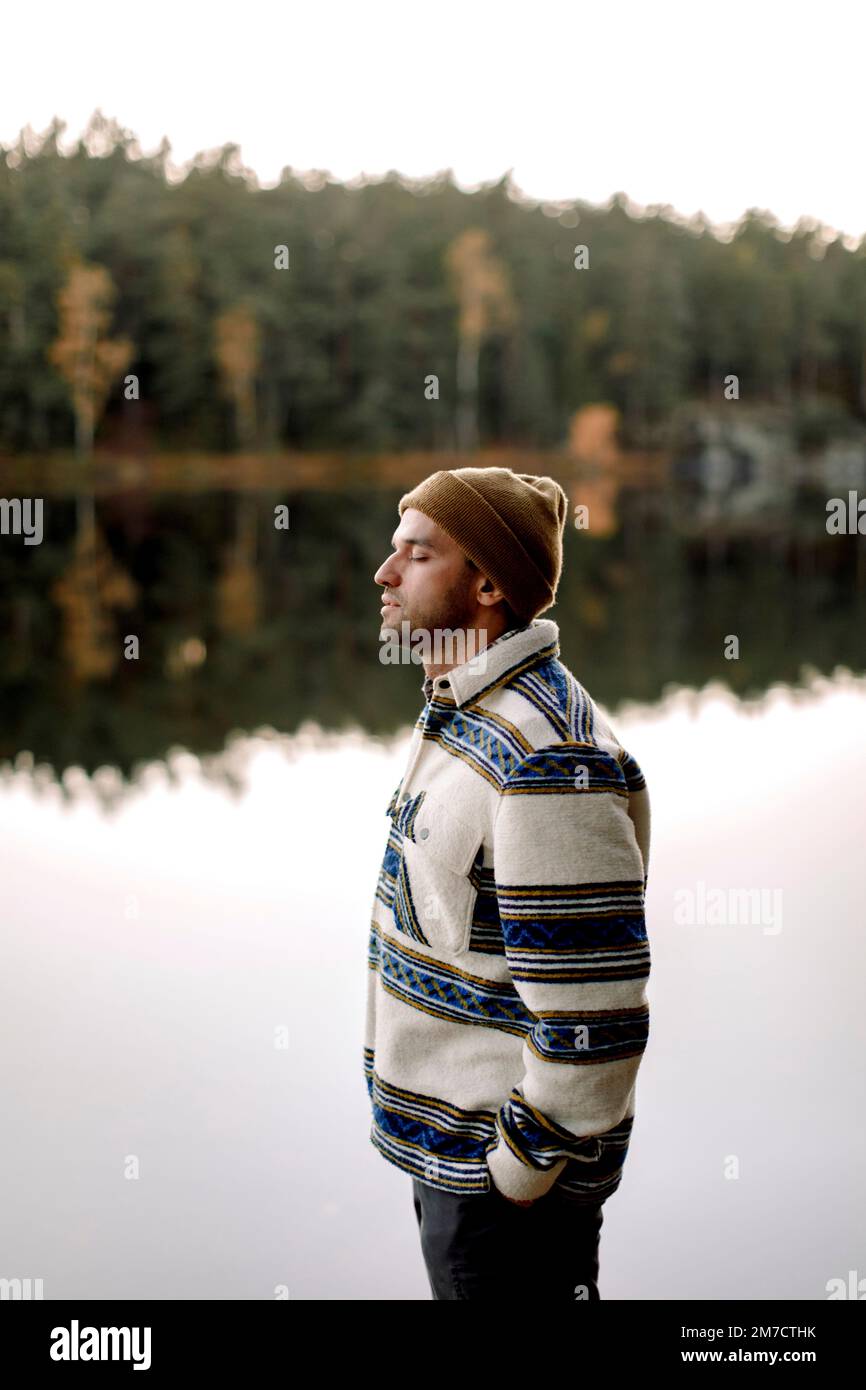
x: 140, y: 310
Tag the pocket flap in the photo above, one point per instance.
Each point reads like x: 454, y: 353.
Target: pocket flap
x: 437, y: 831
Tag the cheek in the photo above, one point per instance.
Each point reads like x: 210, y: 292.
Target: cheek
x: 424, y: 580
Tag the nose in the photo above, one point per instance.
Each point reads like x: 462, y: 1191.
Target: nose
x: 385, y: 576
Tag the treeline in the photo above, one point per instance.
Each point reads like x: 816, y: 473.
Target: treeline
x: 135, y: 307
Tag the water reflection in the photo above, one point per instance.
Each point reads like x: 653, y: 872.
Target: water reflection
x: 172, y: 947
x: 241, y: 626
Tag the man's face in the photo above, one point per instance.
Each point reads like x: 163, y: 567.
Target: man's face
x: 426, y: 581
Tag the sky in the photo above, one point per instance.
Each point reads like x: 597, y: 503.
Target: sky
x: 756, y: 103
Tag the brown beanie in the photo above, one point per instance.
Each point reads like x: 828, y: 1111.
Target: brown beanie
x: 510, y: 524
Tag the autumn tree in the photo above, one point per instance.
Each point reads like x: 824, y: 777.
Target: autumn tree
x: 85, y: 357
x: 486, y: 305
x: 236, y: 349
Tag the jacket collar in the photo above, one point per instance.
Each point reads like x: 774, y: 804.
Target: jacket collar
x: 511, y: 653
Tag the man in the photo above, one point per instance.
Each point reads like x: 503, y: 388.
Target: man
x: 507, y: 1013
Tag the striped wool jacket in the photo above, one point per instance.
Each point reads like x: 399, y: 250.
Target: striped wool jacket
x: 508, y: 953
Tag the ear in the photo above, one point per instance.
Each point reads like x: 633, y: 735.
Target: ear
x: 487, y: 592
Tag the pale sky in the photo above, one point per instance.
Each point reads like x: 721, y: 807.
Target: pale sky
x: 754, y: 103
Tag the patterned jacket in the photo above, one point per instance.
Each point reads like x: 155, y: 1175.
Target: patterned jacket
x: 508, y: 953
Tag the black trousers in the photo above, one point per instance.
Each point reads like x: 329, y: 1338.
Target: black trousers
x: 480, y: 1245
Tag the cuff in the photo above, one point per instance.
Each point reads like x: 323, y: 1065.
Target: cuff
x: 516, y: 1179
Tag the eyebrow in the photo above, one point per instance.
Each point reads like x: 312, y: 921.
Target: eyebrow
x: 414, y: 540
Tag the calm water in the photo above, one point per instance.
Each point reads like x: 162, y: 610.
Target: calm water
x: 149, y: 956
x: 242, y: 626
x: 167, y: 916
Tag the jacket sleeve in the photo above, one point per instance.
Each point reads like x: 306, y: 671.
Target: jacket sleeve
x: 569, y: 867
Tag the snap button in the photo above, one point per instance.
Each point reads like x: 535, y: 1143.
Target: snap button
x: 423, y: 832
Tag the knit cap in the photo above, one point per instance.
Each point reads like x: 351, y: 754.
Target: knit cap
x: 510, y: 524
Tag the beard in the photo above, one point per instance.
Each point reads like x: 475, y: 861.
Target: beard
x: 452, y: 610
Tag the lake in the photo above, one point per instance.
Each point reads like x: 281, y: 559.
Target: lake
x: 191, y: 842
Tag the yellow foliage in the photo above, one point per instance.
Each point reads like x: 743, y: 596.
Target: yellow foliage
x: 236, y: 349
x: 91, y: 586
x: 88, y: 361
x: 595, y: 325
x: 592, y: 433
x: 482, y: 284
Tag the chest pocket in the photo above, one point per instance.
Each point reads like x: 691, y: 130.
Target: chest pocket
x: 434, y: 891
